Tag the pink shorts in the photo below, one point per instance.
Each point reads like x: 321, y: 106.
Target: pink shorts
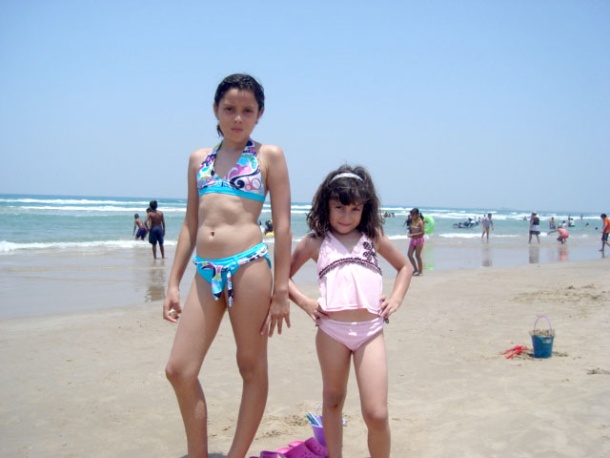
x: 352, y: 334
x: 416, y: 242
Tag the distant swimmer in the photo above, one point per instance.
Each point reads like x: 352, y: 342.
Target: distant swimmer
x: 416, y: 244
x: 156, y: 222
x: 534, y: 227
x: 487, y: 223
x: 139, y: 228
x: 605, y: 231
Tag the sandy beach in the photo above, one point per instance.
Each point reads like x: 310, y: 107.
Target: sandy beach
x: 92, y: 383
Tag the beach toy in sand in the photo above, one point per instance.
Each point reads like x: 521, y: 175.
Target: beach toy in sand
x: 542, y: 339
x: 310, y: 448
x: 516, y: 350
x: 428, y: 224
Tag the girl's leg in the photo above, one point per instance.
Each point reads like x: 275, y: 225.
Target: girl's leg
x: 197, y: 327
x: 251, y: 301
x: 334, y: 360
x: 420, y: 263
x: 371, y: 369
x: 411, y: 259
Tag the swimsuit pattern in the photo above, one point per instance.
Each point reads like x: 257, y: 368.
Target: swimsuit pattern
x: 219, y: 272
x: 243, y: 180
x: 368, y: 259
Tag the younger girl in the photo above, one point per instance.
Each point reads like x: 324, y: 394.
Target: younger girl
x: 416, y: 234
x: 351, y: 310
x: 227, y: 186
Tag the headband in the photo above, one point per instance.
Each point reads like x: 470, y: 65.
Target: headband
x: 346, y: 175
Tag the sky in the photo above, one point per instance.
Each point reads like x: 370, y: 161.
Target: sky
x: 477, y: 104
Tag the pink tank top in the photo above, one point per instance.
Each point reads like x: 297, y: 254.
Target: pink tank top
x: 347, y: 280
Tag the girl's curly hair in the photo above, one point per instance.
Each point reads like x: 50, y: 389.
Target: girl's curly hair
x: 347, y: 190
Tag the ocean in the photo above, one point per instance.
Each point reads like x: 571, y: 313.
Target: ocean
x: 70, y: 254
x: 47, y: 223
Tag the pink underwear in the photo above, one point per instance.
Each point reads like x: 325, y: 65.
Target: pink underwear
x: 352, y: 334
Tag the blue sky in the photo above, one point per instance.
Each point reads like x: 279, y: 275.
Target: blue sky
x: 485, y: 104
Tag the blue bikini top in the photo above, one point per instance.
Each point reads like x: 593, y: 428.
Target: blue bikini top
x: 243, y: 180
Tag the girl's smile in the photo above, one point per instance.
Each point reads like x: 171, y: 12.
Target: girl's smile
x: 344, y: 218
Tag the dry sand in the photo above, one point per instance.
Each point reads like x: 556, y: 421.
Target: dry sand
x: 93, y: 385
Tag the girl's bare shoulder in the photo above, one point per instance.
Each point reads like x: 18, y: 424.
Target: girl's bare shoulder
x: 200, y: 154
x: 269, y: 151
x: 311, y: 243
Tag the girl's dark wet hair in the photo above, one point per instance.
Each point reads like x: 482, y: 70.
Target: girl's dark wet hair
x: 243, y: 82
x: 347, y: 190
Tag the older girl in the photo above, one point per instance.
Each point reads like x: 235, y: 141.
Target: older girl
x: 227, y: 185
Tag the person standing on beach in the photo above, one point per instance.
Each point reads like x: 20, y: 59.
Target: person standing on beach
x: 351, y: 311
x: 487, y: 223
x: 155, y: 221
x: 416, y: 242
x: 534, y: 227
x: 227, y: 186
x: 139, y: 228
x: 605, y: 231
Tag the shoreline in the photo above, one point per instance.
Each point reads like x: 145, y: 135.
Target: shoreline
x: 65, y: 281
x: 92, y: 383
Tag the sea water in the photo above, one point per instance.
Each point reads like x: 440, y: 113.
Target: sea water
x: 42, y: 223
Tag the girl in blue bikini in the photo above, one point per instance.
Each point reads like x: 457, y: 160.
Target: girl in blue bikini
x: 227, y: 186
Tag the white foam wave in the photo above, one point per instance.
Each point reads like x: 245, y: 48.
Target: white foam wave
x: 10, y: 247
x: 68, y: 201
x: 103, y: 208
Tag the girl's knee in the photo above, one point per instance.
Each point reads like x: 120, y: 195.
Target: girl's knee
x: 334, y: 399
x: 251, y: 366
x: 178, y: 375
x: 172, y: 373
x: 376, y: 418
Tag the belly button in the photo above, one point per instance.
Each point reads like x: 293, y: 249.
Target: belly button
x: 212, y: 233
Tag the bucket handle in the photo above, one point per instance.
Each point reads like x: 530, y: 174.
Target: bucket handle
x: 539, y: 317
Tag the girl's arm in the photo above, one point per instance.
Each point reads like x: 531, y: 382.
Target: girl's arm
x: 186, y: 243
x: 404, y: 272
x: 307, y: 249
x: 278, y: 185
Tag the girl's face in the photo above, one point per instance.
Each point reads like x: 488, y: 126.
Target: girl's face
x: 237, y: 114
x: 344, y: 218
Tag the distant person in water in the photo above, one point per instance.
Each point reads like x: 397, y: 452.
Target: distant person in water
x: 416, y: 242
x: 156, y: 222
x: 605, y: 231
x: 563, y: 234
x: 534, y: 227
x: 139, y: 228
x: 487, y: 223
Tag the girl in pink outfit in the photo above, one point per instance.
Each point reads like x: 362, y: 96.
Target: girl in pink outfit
x: 416, y: 242
x: 351, y: 311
